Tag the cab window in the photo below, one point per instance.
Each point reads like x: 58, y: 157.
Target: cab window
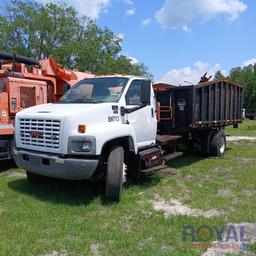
x: 133, y: 94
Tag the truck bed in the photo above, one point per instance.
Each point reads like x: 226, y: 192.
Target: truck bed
x: 213, y: 104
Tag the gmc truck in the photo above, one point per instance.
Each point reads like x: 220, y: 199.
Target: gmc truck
x: 123, y: 127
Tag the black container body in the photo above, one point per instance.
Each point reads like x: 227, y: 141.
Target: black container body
x: 209, y: 105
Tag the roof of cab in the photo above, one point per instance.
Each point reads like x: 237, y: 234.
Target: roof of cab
x: 121, y: 75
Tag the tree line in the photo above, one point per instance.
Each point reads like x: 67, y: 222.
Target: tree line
x: 245, y: 76
x: 40, y: 31
x: 31, y: 29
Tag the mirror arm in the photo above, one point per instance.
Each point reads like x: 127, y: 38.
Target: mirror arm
x: 131, y: 110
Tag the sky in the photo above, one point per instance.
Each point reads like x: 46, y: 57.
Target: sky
x: 179, y: 40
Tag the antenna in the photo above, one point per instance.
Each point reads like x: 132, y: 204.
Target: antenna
x: 187, y: 82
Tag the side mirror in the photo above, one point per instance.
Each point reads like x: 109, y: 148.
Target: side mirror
x: 66, y: 88
x: 145, y: 93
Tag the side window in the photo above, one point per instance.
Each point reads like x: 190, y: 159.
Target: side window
x: 1, y: 85
x: 133, y: 94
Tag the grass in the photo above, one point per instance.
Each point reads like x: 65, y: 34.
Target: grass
x: 248, y: 128
x: 72, y: 218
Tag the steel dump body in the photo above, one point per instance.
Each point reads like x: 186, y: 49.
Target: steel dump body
x: 213, y: 104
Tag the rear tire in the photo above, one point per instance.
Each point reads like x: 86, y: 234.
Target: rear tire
x: 115, y: 173
x: 34, y: 178
x: 206, y: 142
x: 218, y: 144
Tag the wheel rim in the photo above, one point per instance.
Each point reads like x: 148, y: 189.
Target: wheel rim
x: 124, y: 173
x: 222, y: 145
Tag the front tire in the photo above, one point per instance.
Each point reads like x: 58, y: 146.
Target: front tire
x: 115, y: 173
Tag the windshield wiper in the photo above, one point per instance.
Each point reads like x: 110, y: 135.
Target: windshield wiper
x: 84, y: 101
x: 79, y: 100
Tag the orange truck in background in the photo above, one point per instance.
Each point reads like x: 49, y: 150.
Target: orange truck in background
x: 25, y: 82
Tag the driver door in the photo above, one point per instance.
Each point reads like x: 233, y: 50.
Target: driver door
x: 143, y: 120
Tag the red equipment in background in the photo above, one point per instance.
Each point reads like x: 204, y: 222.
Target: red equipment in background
x: 25, y: 82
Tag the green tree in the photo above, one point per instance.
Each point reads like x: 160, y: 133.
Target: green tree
x: 219, y: 76
x: 246, y: 76
x: 39, y: 31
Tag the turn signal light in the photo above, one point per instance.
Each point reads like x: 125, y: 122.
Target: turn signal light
x: 81, y: 128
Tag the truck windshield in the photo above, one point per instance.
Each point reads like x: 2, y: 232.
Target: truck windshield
x: 96, y: 90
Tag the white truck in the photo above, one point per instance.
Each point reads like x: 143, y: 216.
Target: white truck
x: 103, y: 127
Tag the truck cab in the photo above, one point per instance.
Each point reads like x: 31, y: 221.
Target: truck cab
x: 98, y: 120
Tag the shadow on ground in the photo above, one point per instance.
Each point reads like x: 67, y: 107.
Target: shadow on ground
x: 6, y: 165
x: 72, y: 192
x: 83, y: 192
x: 60, y: 191
x: 190, y: 156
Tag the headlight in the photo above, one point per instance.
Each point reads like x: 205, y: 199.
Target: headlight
x: 82, y: 145
x: 87, y: 146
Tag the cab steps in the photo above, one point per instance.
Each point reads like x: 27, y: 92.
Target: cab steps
x: 166, y: 139
x: 173, y: 156
x: 163, y: 165
x: 153, y: 169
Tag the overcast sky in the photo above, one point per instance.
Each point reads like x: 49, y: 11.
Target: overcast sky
x: 179, y: 39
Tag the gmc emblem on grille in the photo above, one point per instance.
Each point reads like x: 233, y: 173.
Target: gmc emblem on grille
x: 54, y: 137
x: 36, y: 134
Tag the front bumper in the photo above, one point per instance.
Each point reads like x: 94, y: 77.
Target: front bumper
x: 53, y: 166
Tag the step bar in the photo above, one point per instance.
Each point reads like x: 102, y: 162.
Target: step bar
x: 162, y: 166
x: 173, y: 156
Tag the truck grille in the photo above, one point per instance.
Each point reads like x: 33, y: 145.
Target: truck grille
x: 40, y: 133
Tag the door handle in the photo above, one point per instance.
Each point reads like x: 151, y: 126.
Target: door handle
x: 152, y: 112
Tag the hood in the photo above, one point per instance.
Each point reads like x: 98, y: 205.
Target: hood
x: 70, y: 113
x: 56, y: 109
